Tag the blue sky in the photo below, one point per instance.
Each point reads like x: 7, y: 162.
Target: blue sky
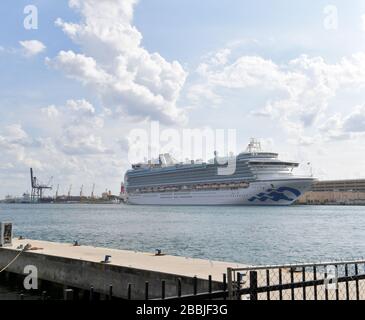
x: 269, y: 69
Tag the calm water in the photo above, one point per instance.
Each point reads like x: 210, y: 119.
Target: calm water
x: 253, y: 235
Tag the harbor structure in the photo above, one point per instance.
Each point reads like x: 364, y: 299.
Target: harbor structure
x: 87, y: 273
x: 335, y: 192
x: 37, y: 194
x: 83, y: 267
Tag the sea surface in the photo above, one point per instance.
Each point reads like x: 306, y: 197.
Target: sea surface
x: 249, y: 235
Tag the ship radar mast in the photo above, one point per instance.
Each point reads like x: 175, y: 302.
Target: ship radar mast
x: 254, y: 146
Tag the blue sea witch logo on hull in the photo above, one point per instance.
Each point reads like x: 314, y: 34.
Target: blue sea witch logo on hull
x: 277, y: 195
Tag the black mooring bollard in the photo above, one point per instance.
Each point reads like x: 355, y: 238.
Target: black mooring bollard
x: 68, y: 294
x: 195, y: 285
x: 91, y: 297
x: 110, y: 295
x: 163, y: 289
x: 146, y: 290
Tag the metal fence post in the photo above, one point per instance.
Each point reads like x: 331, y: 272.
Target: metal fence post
x: 238, y: 286
x: 280, y: 284
x: 268, y: 283
x: 326, y: 284
x: 224, y: 285
x: 229, y: 282
x: 253, y: 285
x: 315, y: 283
x: 357, y: 282
x: 292, y: 290
x: 347, y: 282
x: 304, y: 287
x: 337, y: 285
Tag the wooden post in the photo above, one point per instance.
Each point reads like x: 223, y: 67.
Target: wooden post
x: 253, y: 285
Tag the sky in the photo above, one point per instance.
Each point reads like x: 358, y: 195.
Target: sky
x: 79, y: 78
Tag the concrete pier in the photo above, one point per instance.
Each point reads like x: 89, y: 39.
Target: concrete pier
x: 81, y: 267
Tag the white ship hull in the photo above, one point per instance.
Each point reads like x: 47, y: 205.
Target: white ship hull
x: 259, y: 193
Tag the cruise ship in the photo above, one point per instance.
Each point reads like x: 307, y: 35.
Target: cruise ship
x: 257, y: 179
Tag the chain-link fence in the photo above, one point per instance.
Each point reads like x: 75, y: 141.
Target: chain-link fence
x: 326, y: 281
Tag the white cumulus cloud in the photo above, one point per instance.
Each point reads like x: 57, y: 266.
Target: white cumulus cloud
x: 129, y: 79
x: 355, y: 121
x: 299, y: 92
x: 363, y: 22
x: 82, y: 106
x: 32, y: 47
x: 50, y: 111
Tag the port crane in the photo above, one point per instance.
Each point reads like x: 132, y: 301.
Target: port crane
x: 58, y: 188
x: 69, y: 192
x: 92, y: 192
x: 38, y: 188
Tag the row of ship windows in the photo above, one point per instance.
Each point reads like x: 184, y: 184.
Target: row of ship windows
x: 173, y: 177
x: 182, y: 180
x: 201, y: 171
x: 197, y: 187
